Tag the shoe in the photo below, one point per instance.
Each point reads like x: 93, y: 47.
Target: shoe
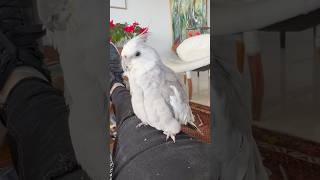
x: 115, y: 68
x: 18, y: 40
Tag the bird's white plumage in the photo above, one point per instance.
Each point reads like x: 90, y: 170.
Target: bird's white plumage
x: 158, y: 97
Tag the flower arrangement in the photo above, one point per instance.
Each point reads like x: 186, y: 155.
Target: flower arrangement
x: 123, y: 32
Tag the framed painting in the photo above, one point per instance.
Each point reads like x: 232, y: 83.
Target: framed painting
x: 186, y: 15
x: 119, y: 4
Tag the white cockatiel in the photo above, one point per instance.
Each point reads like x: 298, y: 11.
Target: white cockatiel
x: 77, y: 28
x: 158, y: 97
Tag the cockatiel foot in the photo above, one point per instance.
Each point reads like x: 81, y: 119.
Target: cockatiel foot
x: 141, y: 124
x: 172, y: 136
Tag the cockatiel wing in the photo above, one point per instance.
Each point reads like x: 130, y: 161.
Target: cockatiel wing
x: 176, y: 97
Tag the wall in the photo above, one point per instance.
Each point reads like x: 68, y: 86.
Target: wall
x: 152, y: 13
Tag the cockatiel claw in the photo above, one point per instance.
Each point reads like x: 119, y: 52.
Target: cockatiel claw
x: 173, y: 138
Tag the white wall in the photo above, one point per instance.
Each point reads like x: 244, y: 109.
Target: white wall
x: 152, y: 13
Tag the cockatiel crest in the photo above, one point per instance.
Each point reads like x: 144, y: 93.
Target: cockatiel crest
x: 158, y: 97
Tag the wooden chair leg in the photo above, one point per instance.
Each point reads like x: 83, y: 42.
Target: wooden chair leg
x: 189, y: 79
x: 190, y: 88
x: 257, y: 85
x: 240, y: 55
x: 252, y: 48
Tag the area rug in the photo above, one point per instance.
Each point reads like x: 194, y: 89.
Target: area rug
x: 287, y: 157
x: 202, y: 120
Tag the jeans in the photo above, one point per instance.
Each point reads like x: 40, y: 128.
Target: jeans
x: 144, y: 154
x: 38, y: 131
x: 8, y: 173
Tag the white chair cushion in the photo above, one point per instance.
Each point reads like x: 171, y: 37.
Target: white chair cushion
x: 194, y: 48
x: 178, y: 66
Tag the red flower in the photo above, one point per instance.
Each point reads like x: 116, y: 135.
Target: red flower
x: 111, y: 24
x: 129, y: 29
x: 135, y: 24
x: 198, y: 33
x: 144, y: 30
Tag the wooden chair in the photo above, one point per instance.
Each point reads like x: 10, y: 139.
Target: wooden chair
x: 187, y: 74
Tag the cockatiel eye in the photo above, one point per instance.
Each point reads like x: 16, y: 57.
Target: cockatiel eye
x: 138, y: 53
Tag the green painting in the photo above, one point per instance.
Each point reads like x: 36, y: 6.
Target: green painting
x: 187, y: 14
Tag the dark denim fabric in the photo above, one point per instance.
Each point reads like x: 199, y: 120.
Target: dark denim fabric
x: 8, y: 173
x: 143, y: 153
x: 38, y: 130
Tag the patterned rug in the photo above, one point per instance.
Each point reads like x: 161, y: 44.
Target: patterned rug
x: 288, y: 157
x: 202, y: 120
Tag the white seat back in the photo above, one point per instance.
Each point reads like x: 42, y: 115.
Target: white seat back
x: 194, y: 48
